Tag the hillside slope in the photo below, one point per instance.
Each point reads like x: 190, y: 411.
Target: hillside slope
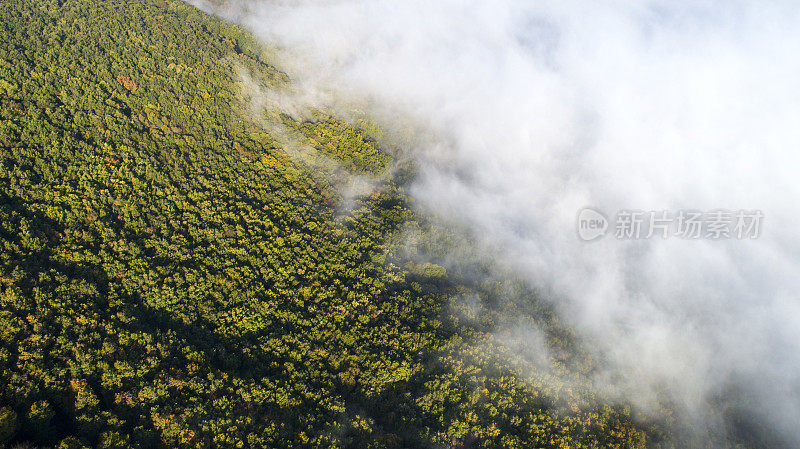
x: 169, y: 277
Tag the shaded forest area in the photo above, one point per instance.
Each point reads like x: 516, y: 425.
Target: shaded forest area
x: 169, y: 277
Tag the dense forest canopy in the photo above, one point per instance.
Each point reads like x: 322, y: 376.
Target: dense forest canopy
x: 171, y: 277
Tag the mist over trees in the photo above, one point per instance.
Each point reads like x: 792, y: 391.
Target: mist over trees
x: 169, y: 277
x: 172, y: 274
x: 525, y: 113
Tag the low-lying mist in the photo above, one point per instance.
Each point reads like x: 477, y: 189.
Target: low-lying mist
x: 535, y: 110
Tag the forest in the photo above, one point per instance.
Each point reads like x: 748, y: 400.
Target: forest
x: 171, y: 276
